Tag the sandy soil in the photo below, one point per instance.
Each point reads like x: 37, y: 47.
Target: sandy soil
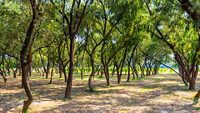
x: 154, y: 94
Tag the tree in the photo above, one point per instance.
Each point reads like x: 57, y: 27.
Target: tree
x: 25, y: 53
x: 176, y: 38
x: 73, y: 19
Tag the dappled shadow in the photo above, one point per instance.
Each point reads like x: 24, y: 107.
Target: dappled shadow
x: 113, y: 100
x: 101, y: 103
x: 152, y: 94
x: 10, y: 101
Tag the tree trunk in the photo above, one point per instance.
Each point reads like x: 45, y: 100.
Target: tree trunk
x: 155, y: 71
x: 192, y: 81
x: 38, y: 71
x: 82, y: 74
x: 26, y: 60
x: 92, y: 73
x: 48, y: 68
x: 65, y: 74
x: 106, y: 72
x: 26, y: 56
x: 147, y: 71
x: 15, y: 71
x: 26, y: 86
x: 102, y: 70
x: 113, y: 71
x: 20, y: 72
x: 142, y: 71
x: 136, y: 73
x: 90, y: 83
x: 192, y: 84
x: 90, y: 80
x: 15, y: 74
x: 119, y: 78
x: 29, y: 70
x: 196, y: 98
x: 71, y: 68
x: 4, y: 78
x: 118, y: 73
x: 122, y: 65
x: 98, y: 72
x: 47, y: 72
x: 129, y: 72
x: 51, y: 79
x: 60, y: 70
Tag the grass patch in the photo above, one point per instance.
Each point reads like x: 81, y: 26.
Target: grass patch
x: 197, y: 108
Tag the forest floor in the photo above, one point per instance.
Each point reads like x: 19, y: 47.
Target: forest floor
x: 153, y: 94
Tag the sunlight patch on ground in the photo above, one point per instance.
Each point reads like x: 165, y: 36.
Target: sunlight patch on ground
x: 169, y: 82
x: 9, y: 91
x: 143, y: 90
x: 37, y: 106
x: 185, y: 94
x: 153, y: 94
x: 162, y: 100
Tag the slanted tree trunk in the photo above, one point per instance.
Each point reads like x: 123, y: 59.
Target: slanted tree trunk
x: 25, y: 83
x: 196, y: 98
x: 26, y: 56
x: 3, y: 70
x: 118, y: 71
x: 134, y: 72
x: 52, y: 73
x: 113, y: 70
x: 91, y: 74
x: 4, y: 77
x: 20, y: 71
x: 98, y: 70
x: 38, y: 71
x: 121, y: 66
x: 129, y: 71
x: 65, y: 73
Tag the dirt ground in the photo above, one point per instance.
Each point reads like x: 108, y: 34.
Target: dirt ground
x: 154, y: 94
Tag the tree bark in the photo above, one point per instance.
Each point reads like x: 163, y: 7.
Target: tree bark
x: 26, y: 56
x: 4, y: 77
x: 196, y: 98
x: 71, y: 68
x: 113, y: 70
x: 91, y: 56
x: 106, y: 72
x: 129, y: 72
x: 91, y: 75
x: 65, y: 73
x: 52, y: 72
